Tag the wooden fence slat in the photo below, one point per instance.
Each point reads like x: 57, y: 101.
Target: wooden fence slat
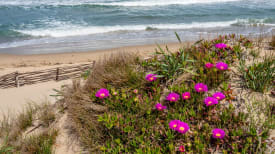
x: 17, y: 79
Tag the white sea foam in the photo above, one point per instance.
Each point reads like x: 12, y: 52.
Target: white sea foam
x: 63, y: 29
x: 110, y: 3
x: 164, y: 2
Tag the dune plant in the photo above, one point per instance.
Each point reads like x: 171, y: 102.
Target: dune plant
x: 5, y: 148
x: 168, y: 64
x: 15, y: 134
x: 136, y: 126
x: 86, y: 74
x: 152, y: 116
x: 41, y: 143
x: 272, y: 42
x: 259, y: 76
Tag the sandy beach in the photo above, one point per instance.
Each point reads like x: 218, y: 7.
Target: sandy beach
x: 21, y: 61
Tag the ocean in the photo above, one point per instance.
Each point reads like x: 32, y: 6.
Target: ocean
x: 55, y: 26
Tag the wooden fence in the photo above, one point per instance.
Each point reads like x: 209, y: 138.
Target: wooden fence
x: 17, y: 79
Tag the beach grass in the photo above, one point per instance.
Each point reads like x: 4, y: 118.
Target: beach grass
x: 272, y: 42
x: 259, y: 76
x: 16, y: 131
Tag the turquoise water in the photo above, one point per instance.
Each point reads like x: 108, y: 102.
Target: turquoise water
x: 49, y: 26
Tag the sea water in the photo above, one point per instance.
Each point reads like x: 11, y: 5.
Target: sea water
x: 54, y: 26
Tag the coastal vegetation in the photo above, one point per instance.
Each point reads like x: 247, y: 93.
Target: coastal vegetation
x: 186, y: 101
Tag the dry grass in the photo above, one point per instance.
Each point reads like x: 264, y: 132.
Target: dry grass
x: 25, y: 119
x: 116, y: 70
x: 39, y: 144
x: 46, y: 114
x: 12, y: 129
x: 272, y: 42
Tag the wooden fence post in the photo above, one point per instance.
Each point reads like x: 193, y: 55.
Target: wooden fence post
x: 57, y: 74
x: 16, y: 79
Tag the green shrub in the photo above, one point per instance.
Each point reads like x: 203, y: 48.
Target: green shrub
x: 259, y: 76
x: 131, y: 123
x: 170, y: 65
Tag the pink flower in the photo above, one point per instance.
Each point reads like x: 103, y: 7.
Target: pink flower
x: 200, y: 87
x: 208, y: 101
x: 218, y: 133
x: 160, y: 107
x: 186, y: 95
x: 173, y: 97
x: 174, y: 124
x: 114, y: 93
x: 181, y: 148
x: 220, y: 45
x: 135, y: 91
x: 102, y: 93
x: 209, y: 65
x: 151, y: 77
x: 182, y: 127
x: 221, y: 66
x: 219, y: 96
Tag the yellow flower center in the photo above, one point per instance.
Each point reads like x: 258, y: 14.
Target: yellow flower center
x: 102, y: 94
x: 218, y: 134
x: 159, y: 107
x: 173, y: 98
x: 200, y: 88
x: 175, y: 125
x: 186, y: 97
x: 210, y: 102
x: 222, y: 67
x: 182, y: 128
x: 218, y: 97
x: 151, y: 78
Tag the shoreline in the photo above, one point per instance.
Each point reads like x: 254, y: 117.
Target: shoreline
x: 12, y: 61
x: 32, y: 62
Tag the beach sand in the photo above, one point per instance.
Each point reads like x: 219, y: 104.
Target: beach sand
x: 14, y: 99
x: 21, y: 61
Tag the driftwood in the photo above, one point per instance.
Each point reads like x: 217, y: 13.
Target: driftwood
x: 17, y: 79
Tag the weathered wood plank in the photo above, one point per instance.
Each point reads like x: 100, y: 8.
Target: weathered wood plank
x: 16, y: 79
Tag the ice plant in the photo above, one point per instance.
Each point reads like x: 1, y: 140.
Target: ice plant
x: 114, y: 93
x: 102, y: 93
x: 160, y: 107
x: 200, y: 87
x: 208, y: 101
x: 218, y: 95
x: 221, y: 66
x: 174, y: 124
x: 135, y: 91
x: 186, y: 95
x: 182, y: 127
x: 181, y: 148
x: 173, y: 97
x: 218, y: 133
x: 209, y: 65
x: 151, y: 77
x: 136, y: 99
x: 220, y: 45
